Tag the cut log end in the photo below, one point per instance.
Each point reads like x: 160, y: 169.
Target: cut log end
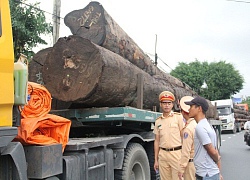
x: 91, y: 17
x: 69, y: 70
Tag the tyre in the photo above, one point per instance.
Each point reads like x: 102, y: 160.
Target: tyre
x: 238, y: 127
x: 248, y: 140
x: 218, y: 139
x: 135, y: 164
x: 151, y: 158
x: 234, y: 130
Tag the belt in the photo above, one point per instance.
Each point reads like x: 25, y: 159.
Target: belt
x: 172, y: 149
x: 198, y: 177
x: 191, y: 160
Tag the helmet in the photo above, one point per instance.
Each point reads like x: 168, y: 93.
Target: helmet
x: 184, y: 106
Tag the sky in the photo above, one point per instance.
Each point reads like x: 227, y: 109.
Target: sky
x: 186, y: 30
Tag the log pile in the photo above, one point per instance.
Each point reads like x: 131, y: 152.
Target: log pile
x: 240, y: 113
x: 95, y: 24
x: 79, y: 71
x: 99, y: 66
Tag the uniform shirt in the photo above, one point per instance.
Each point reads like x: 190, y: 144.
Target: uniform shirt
x: 247, y: 125
x: 169, y: 129
x: 204, y: 164
x: 187, y: 151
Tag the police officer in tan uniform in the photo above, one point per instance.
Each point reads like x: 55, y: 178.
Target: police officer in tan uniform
x: 187, y: 168
x: 167, y: 145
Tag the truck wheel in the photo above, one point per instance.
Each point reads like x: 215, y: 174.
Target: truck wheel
x: 135, y: 164
x: 151, y: 158
x: 218, y: 139
x: 234, y: 129
x: 238, y: 129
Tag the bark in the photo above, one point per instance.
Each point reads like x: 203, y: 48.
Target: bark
x: 95, y: 24
x: 80, y: 71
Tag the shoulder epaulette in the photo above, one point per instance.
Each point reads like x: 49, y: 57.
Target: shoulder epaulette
x: 177, y: 113
x: 158, y: 117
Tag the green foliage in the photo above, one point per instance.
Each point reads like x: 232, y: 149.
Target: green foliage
x: 247, y: 101
x: 28, y: 24
x: 222, y: 78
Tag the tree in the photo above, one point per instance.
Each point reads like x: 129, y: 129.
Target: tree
x: 28, y: 24
x: 222, y: 79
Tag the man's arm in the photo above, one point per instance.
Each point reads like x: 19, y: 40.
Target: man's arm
x: 156, y: 151
x: 213, y: 153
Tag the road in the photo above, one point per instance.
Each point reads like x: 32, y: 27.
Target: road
x: 235, y: 155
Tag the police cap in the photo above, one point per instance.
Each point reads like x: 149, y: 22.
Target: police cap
x: 166, y: 96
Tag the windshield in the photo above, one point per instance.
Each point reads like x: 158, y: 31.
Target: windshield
x: 224, y: 111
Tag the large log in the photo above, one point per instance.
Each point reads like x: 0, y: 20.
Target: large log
x: 212, y: 112
x: 35, y: 75
x: 36, y: 65
x: 82, y: 72
x: 95, y: 24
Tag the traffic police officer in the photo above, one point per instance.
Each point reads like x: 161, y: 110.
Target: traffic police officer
x: 187, y: 168
x: 167, y: 145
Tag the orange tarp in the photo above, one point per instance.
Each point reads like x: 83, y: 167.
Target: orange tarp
x: 49, y: 129
x: 39, y: 103
x: 37, y: 126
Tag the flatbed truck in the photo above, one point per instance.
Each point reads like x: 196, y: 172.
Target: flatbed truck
x: 105, y: 143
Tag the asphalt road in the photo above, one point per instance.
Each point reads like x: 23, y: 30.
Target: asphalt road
x: 235, y: 156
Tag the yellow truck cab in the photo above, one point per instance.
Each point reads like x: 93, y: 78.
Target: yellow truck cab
x: 12, y: 157
x: 6, y: 65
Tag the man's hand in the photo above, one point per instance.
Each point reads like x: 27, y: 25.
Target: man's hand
x: 180, y: 175
x: 156, y: 166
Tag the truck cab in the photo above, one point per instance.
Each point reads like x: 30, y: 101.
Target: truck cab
x: 12, y: 158
x: 226, y: 114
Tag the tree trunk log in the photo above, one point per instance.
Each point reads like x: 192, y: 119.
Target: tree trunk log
x: 36, y: 65
x: 212, y: 112
x: 35, y: 75
x: 80, y: 71
x: 95, y: 24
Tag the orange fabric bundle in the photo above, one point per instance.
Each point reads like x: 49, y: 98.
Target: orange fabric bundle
x: 39, y: 103
x: 49, y: 129
x: 39, y: 127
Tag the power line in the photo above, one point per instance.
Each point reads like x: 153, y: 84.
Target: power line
x: 239, y: 1
x: 165, y: 63
x: 160, y: 59
x: 18, y: 1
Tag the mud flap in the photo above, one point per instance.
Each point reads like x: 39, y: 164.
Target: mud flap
x: 15, y: 150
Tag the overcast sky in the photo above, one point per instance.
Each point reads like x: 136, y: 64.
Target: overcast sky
x: 207, y: 30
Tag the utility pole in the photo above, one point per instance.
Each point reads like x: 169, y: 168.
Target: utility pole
x: 156, y: 56
x: 56, y: 19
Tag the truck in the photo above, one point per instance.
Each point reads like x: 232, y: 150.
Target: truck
x: 226, y: 114
x: 105, y: 142
x: 241, y: 114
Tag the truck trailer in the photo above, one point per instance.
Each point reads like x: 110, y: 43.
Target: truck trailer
x: 105, y: 142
